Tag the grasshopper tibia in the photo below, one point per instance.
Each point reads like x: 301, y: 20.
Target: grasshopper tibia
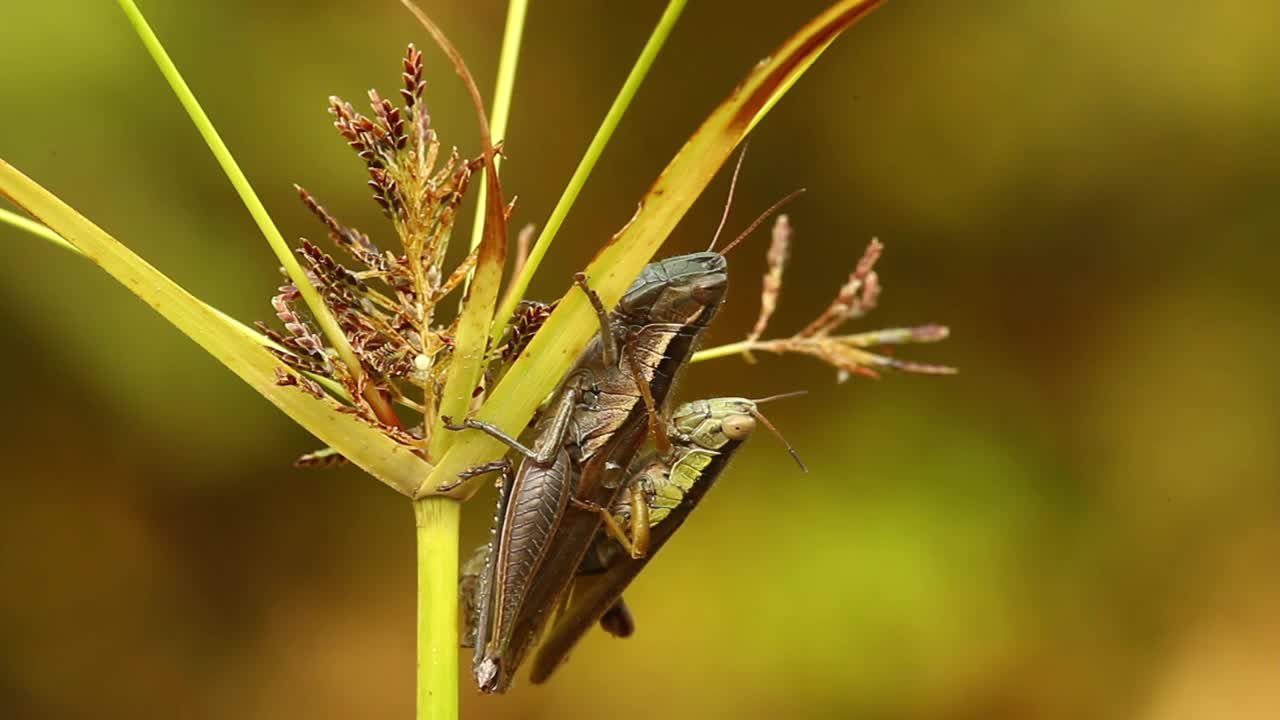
x: 636, y: 543
x: 492, y: 431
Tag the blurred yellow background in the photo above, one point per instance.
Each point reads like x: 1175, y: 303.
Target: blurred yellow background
x: 1083, y: 524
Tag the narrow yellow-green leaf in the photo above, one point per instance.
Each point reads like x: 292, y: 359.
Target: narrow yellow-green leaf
x: 621, y: 102
x: 504, y: 88
x: 31, y: 226
x: 566, y: 332
x: 28, y: 225
x: 467, y: 362
x: 364, y: 445
x: 324, y: 319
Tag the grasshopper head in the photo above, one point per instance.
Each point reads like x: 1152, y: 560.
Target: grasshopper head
x: 685, y: 289
x: 713, y: 424
x: 721, y: 424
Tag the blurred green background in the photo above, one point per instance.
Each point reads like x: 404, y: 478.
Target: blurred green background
x: 1083, y: 523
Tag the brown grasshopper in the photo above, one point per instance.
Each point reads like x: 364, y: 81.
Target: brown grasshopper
x: 585, y: 444
x: 595, y: 424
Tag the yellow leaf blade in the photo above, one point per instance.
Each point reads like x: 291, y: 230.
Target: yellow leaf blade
x: 367, y: 447
x: 569, y: 328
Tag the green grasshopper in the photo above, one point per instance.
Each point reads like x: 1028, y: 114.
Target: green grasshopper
x: 665, y: 488
x: 595, y: 424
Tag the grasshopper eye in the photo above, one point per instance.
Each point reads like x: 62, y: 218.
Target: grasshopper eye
x: 738, y: 427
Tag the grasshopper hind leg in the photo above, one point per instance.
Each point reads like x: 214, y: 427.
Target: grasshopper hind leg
x: 470, y: 579
x: 634, y: 537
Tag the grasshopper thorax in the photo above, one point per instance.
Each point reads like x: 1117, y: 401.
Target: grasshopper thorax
x: 685, y: 289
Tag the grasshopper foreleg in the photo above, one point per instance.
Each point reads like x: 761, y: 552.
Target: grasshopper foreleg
x: 494, y: 432
x: 503, y: 465
x: 549, y: 443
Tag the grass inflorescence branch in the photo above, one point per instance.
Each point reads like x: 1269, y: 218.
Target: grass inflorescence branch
x: 849, y: 353
x: 386, y: 296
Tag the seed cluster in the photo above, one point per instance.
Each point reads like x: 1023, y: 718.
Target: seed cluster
x: 385, y: 302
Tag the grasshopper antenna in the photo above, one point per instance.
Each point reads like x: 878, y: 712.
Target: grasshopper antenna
x: 763, y: 216
x: 765, y: 422
x: 779, y: 396
x: 733, y: 184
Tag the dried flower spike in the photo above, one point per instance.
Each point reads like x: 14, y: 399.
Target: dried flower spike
x: 385, y: 305
x: 849, y: 354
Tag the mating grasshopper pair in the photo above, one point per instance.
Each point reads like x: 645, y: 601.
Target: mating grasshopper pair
x: 704, y: 436
x: 551, y: 510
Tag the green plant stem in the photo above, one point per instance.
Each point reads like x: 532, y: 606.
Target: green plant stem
x: 438, y: 524
x: 588, y: 163
x: 327, y: 322
x: 38, y: 229
x: 721, y: 351
x: 438, y: 518
x: 504, y: 88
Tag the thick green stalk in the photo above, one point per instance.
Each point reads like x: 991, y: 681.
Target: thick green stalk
x: 438, y: 518
x: 588, y: 163
x: 324, y: 319
x: 438, y: 524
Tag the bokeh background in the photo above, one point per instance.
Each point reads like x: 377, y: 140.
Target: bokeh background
x: 1083, y: 523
